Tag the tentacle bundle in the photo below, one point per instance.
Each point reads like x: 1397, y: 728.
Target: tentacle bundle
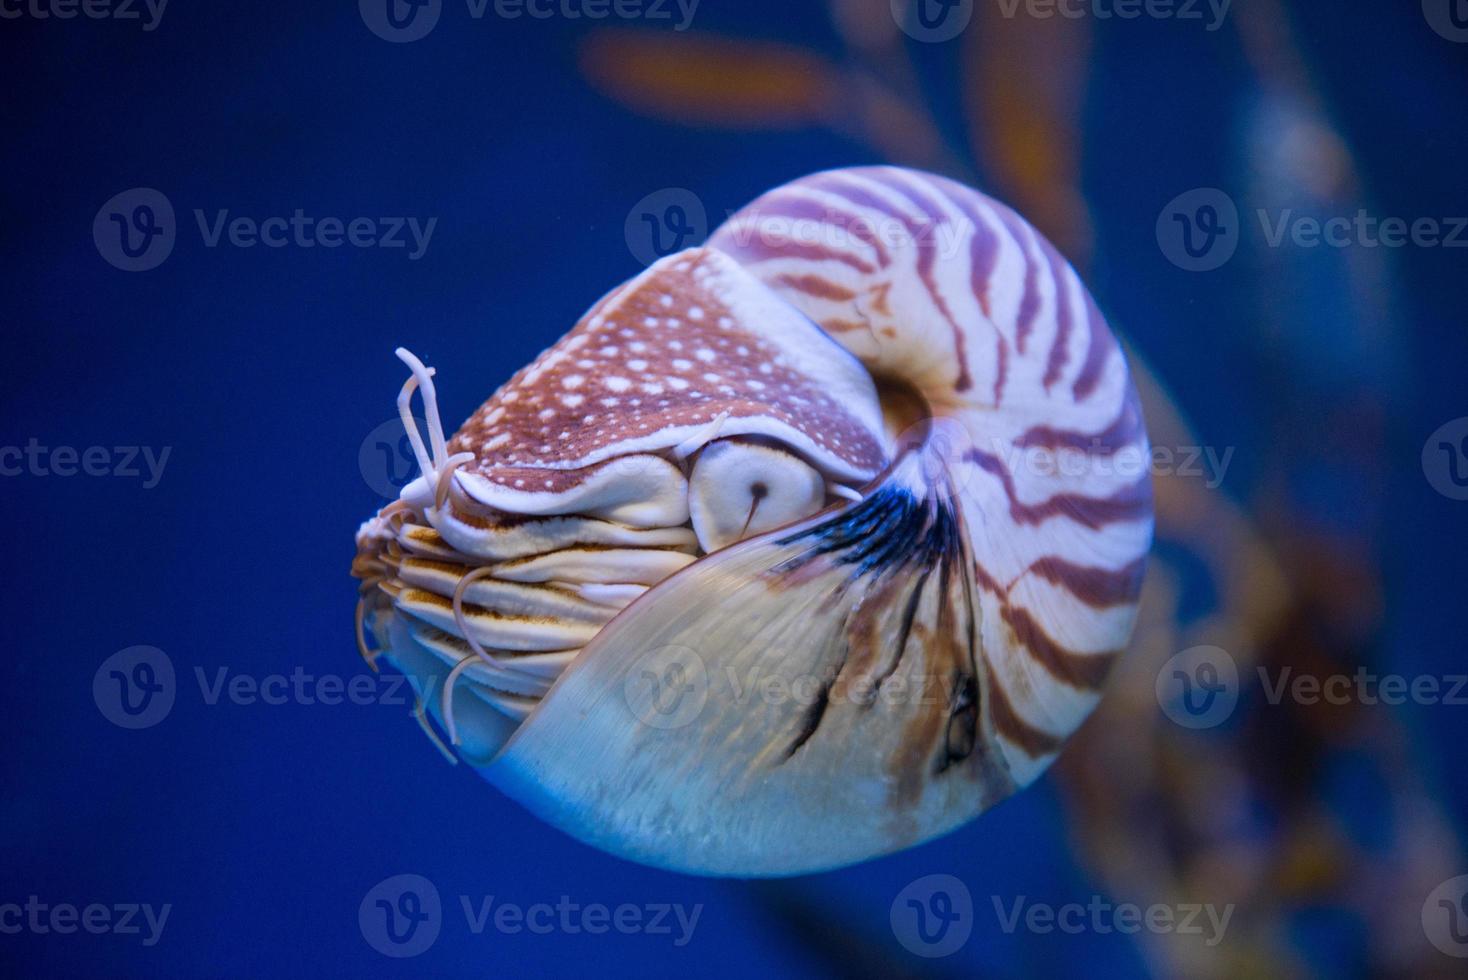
x: 704, y: 579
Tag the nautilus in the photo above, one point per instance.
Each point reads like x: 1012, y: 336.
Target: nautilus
x: 802, y: 547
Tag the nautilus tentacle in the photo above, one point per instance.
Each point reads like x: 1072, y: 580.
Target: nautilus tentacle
x: 799, y: 549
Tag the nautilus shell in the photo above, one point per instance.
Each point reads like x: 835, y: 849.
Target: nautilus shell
x: 800, y: 548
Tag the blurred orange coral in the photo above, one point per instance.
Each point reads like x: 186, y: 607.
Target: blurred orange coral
x: 711, y: 80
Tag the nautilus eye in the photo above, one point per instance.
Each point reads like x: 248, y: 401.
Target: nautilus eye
x: 800, y: 548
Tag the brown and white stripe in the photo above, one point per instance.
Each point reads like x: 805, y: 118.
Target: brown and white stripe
x: 932, y: 283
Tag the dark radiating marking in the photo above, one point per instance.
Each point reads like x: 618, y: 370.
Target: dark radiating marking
x: 904, y: 631
x: 813, y: 716
x: 1085, y: 671
x: 1125, y: 430
x: 962, y: 732
x: 889, y: 530
x: 1099, y: 588
x: 1132, y: 502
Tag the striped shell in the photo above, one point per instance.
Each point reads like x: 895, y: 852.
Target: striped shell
x: 719, y: 591
x: 929, y: 281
